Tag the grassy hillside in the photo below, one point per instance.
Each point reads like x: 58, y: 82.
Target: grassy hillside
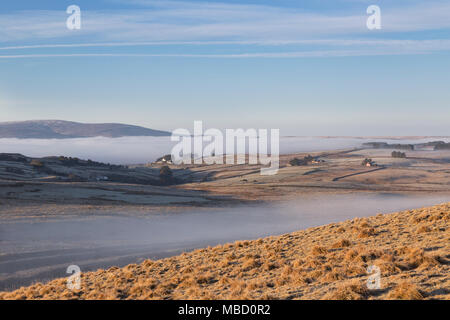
x: 59, y: 129
x: 411, y: 248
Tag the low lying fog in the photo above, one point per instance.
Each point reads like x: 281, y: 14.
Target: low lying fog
x: 38, y: 251
x: 135, y: 150
x: 212, y: 226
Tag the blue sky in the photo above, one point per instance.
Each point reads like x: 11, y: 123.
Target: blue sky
x: 306, y: 67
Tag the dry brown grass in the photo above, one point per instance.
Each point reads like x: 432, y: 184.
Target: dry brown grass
x: 352, y: 291
x: 317, y: 263
x: 405, y: 291
x: 367, y: 232
x: 342, y: 243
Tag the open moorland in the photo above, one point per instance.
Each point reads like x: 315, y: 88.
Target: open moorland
x: 57, y: 211
x: 56, y: 186
x: 410, y: 248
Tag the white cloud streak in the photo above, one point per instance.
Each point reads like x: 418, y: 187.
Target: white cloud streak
x: 435, y: 44
x: 339, y: 48
x: 202, y: 24
x: 302, y: 54
x: 200, y: 21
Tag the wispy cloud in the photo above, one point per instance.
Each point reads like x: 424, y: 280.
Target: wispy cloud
x: 336, y: 48
x: 165, y: 23
x: 436, y: 44
x: 300, y: 54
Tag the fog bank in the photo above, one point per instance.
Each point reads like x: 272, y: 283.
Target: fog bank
x: 42, y: 250
x: 138, y: 150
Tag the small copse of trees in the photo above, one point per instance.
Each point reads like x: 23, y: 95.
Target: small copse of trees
x: 398, y: 154
x: 442, y: 146
x: 301, y: 162
x: 165, y: 175
x: 70, y: 162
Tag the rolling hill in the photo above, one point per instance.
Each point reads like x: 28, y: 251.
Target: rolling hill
x: 59, y: 129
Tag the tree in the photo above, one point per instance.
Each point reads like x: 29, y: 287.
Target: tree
x: 165, y: 175
x: 442, y: 146
x: 398, y: 154
x: 301, y: 162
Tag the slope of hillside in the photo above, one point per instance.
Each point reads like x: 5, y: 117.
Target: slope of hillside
x: 411, y: 249
x: 58, y: 129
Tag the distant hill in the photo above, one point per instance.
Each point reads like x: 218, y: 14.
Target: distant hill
x: 58, y: 129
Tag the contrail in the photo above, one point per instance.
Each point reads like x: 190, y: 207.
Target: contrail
x: 303, y: 54
x: 337, y: 42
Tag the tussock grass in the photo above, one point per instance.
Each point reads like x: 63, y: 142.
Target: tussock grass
x: 405, y: 291
x: 342, y: 243
x: 351, y: 291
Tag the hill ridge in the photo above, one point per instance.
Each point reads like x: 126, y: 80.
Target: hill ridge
x: 62, y: 129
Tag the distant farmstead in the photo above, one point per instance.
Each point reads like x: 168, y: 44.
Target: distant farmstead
x: 305, y: 161
x: 167, y: 159
x: 368, y: 163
